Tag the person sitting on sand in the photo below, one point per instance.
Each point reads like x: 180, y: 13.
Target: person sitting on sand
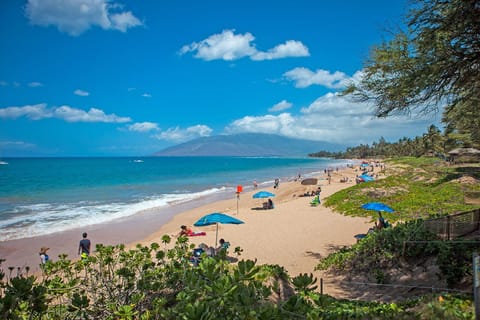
x: 270, y: 204
x: 184, y: 231
x: 209, y: 251
x: 380, y: 223
x: 223, y: 246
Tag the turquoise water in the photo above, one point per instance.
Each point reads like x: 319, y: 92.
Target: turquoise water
x: 39, y: 196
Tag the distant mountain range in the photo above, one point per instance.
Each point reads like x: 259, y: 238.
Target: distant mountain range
x: 248, y: 145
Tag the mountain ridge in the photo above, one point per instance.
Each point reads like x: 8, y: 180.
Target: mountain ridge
x: 248, y: 144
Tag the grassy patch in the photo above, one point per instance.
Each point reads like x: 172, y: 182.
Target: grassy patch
x: 415, y: 188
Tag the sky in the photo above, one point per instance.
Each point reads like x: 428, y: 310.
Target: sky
x: 129, y: 78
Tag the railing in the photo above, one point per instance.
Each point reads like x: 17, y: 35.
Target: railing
x: 455, y: 225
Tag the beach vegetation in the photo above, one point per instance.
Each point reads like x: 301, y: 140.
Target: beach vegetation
x: 422, y: 260
x: 121, y: 283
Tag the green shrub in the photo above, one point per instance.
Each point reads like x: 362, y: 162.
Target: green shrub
x: 455, y: 261
x: 381, y: 249
x: 149, y: 283
x: 446, y: 307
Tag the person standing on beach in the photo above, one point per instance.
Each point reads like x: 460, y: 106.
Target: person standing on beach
x: 84, y: 246
x: 255, y: 185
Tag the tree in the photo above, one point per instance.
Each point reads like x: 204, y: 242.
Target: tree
x: 462, y: 126
x: 433, y: 140
x: 435, y: 64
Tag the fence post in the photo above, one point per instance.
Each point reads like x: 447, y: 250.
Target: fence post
x: 321, y: 286
x: 477, y: 216
x: 476, y: 284
x: 448, y: 227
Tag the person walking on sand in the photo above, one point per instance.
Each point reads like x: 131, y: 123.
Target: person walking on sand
x: 84, y: 246
x: 255, y: 185
x: 43, y: 255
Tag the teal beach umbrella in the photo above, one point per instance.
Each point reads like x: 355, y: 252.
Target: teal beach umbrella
x: 263, y: 194
x: 216, y: 218
x: 377, y: 206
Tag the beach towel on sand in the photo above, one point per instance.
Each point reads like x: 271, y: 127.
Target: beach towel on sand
x: 194, y: 234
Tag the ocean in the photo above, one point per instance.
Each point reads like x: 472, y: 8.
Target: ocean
x: 40, y: 196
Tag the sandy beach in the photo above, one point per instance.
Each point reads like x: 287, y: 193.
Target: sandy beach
x: 294, y: 234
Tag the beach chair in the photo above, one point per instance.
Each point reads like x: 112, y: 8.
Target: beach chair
x: 360, y: 236
x: 315, y: 202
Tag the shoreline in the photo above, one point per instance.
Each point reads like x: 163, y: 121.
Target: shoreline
x: 80, y: 204
x: 131, y: 229
x: 293, y: 234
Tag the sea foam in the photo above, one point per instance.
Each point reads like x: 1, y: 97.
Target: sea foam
x: 44, y: 218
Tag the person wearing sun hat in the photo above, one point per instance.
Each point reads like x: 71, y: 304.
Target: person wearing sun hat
x: 43, y: 254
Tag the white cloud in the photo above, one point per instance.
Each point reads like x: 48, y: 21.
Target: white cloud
x: 123, y: 21
x: 81, y: 93
x: 67, y: 113
x: 291, y: 48
x: 303, y: 77
x: 93, y: 115
x: 35, y: 84
x: 230, y: 46
x: 282, y: 105
x: 34, y: 112
x: 146, y: 95
x: 180, y: 135
x: 226, y: 46
x: 333, y: 118
x: 143, y: 127
x: 77, y: 16
x: 280, y: 124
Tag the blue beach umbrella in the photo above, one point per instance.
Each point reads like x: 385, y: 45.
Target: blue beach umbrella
x: 216, y: 218
x: 366, y: 177
x: 377, y: 206
x: 263, y: 194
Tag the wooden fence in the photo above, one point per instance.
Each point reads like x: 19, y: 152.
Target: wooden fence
x: 455, y: 225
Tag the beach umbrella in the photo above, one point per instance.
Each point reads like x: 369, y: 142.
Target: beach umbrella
x: 366, y: 177
x: 377, y: 206
x: 263, y: 194
x: 310, y: 181
x: 216, y: 218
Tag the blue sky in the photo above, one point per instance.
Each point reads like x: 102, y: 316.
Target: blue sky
x: 98, y: 78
